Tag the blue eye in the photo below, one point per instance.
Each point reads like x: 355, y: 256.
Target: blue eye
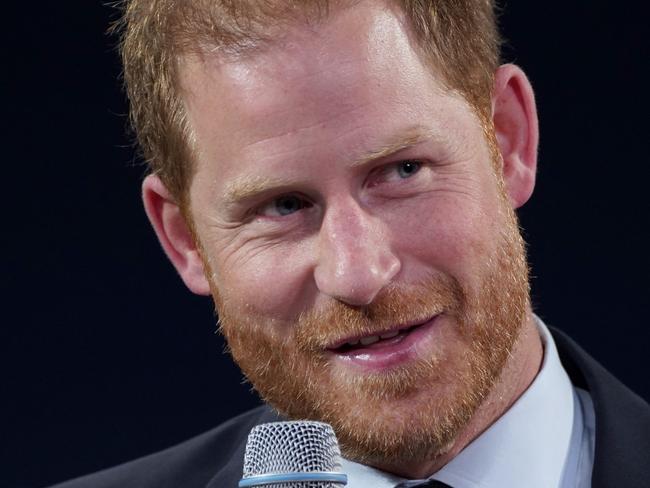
x: 408, y: 168
x: 289, y: 204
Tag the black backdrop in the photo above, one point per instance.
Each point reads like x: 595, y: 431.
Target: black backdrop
x: 105, y: 356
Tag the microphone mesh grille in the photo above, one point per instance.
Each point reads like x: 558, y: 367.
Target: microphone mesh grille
x: 290, y: 447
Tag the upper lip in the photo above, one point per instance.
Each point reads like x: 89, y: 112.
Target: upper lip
x: 396, y: 328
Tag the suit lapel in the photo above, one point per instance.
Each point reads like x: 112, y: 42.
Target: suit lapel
x: 622, y: 449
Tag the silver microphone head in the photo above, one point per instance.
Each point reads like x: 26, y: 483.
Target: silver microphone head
x: 298, y: 454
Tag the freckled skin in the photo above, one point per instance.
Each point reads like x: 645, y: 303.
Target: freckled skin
x: 304, y: 110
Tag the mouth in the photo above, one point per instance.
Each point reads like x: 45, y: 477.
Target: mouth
x: 386, y: 348
x: 374, y: 341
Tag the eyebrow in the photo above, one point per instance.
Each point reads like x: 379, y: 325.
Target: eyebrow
x: 251, y: 186
x: 409, y: 138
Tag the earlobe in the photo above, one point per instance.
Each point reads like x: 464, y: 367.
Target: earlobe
x: 514, y: 114
x: 174, y: 234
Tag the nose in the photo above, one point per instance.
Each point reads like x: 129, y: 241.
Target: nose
x: 355, y: 260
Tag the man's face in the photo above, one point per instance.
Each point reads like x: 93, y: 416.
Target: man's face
x: 341, y: 196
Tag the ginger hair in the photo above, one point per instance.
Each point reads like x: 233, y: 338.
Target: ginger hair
x: 459, y: 38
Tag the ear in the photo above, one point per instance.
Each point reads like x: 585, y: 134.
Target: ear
x: 174, y: 234
x: 515, y: 121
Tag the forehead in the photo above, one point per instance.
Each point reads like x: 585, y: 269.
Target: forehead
x: 354, y: 78
x: 369, y: 38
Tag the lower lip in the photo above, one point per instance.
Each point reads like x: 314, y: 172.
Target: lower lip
x: 392, y: 352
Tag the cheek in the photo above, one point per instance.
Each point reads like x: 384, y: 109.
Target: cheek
x: 269, y: 281
x: 455, y: 235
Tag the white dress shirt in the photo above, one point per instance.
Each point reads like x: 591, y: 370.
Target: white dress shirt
x: 545, y: 440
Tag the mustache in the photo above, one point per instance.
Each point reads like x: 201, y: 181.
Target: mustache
x: 396, y: 306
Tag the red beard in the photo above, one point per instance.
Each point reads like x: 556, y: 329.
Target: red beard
x: 411, y: 412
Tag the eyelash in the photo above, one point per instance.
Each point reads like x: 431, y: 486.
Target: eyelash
x: 396, y: 166
x: 302, y: 201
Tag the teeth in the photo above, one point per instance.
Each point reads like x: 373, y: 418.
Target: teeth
x: 388, y: 335
x: 366, y: 341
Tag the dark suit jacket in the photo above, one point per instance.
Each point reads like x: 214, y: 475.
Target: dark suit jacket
x: 215, y: 459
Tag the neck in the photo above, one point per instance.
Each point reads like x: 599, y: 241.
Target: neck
x: 519, y: 372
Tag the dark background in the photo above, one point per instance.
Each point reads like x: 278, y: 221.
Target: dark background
x: 105, y: 356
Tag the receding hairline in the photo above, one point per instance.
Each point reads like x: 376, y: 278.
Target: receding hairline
x: 261, y: 39
x: 257, y: 25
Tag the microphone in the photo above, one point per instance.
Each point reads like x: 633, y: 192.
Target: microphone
x: 297, y: 454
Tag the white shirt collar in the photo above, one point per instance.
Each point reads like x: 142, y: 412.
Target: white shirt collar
x: 527, y: 446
